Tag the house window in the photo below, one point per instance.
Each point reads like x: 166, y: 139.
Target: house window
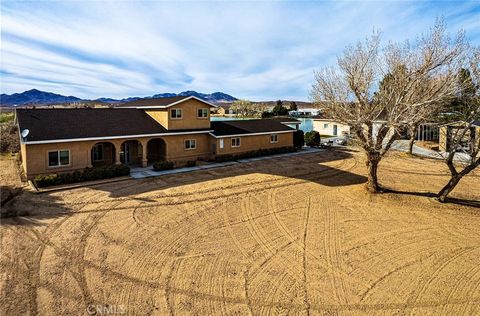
x: 190, y: 144
x: 274, y: 138
x: 98, y: 152
x: 176, y: 113
x: 202, y: 113
x: 221, y: 143
x: 58, y: 158
x: 236, y: 142
x: 325, y: 125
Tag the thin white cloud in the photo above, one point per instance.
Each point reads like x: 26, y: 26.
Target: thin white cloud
x: 259, y: 51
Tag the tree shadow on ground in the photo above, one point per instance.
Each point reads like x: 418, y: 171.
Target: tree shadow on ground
x: 307, y: 167
x: 457, y: 201
x: 31, y: 209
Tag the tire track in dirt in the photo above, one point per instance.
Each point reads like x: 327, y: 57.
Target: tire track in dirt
x: 168, y: 288
x: 33, y: 263
x: 414, y: 300
x: 305, y: 233
x: 462, y: 284
x: 332, y: 247
x: 74, y: 257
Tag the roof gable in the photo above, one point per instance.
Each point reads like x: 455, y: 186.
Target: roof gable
x: 161, y: 103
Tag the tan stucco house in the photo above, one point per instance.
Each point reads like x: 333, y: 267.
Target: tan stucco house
x: 139, y: 133
x: 330, y: 127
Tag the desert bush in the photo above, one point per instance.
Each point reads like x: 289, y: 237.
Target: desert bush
x: 298, y: 139
x: 163, y: 165
x: 312, y: 139
x: 9, y: 138
x: 88, y: 174
x: 7, y: 117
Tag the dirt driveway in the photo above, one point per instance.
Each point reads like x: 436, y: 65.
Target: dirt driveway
x: 296, y: 235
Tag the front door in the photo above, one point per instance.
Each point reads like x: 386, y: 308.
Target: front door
x: 335, y: 132
x: 125, y: 154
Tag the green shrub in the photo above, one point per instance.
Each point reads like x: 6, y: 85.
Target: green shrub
x: 191, y: 163
x: 255, y: 153
x: 312, y: 139
x: 163, y: 165
x: 88, y: 174
x: 298, y: 139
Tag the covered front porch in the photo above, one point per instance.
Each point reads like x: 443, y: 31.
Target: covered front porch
x: 132, y: 152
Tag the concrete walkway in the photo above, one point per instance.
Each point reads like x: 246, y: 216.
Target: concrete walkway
x: 402, y: 145
x: 148, y: 172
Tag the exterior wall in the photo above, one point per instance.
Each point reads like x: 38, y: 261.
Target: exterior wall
x: 318, y: 125
x: 250, y: 143
x: 189, y: 118
x: 159, y: 115
x: 35, y: 157
x: 176, y: 147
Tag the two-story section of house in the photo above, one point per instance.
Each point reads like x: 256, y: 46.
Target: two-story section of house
x: 138, y: 133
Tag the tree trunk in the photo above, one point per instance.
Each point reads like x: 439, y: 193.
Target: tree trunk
x: 372, y: 163
x: 412, y: 134
x: 456, y: 177
x: 410, y: 145
x: 442, y: 195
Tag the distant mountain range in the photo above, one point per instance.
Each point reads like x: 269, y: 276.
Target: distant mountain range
x: 37, y: 97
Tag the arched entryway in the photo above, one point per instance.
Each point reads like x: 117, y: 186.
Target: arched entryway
x: 103, y: 154
x: 156, y: 150
x: 131, y: 152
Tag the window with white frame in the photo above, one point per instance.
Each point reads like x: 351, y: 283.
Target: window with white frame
x: 202, y: 113
x: 221, y: 143
x: 176, y: 113
x: 274, y: 138
x: 97, y: 152
x: 190, y: 144
x: 58, y: 158
x: 236, y: 142
x: 325, y: 125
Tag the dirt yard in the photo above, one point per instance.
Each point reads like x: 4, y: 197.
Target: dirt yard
x: 296, y: 235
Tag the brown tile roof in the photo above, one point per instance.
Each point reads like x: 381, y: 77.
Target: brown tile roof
x: 153, y: 102
x: 239, y: 127
x: 64, y: 124
x: 286, y: 120
x: 53, y: 124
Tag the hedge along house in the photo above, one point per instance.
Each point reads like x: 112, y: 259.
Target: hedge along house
x: 138, y: 133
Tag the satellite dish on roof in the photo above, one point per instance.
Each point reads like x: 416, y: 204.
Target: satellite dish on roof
x: 25, y: 133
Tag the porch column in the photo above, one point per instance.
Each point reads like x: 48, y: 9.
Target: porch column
x: 118, y: 148
x: 89, y: 158
x: 144, y: 153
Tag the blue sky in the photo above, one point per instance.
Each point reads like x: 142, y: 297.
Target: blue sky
x: 252, y: 50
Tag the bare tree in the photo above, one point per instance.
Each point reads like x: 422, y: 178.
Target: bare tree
x: 462, y: 136
x: 379, y: 90
x: 243, y: 108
